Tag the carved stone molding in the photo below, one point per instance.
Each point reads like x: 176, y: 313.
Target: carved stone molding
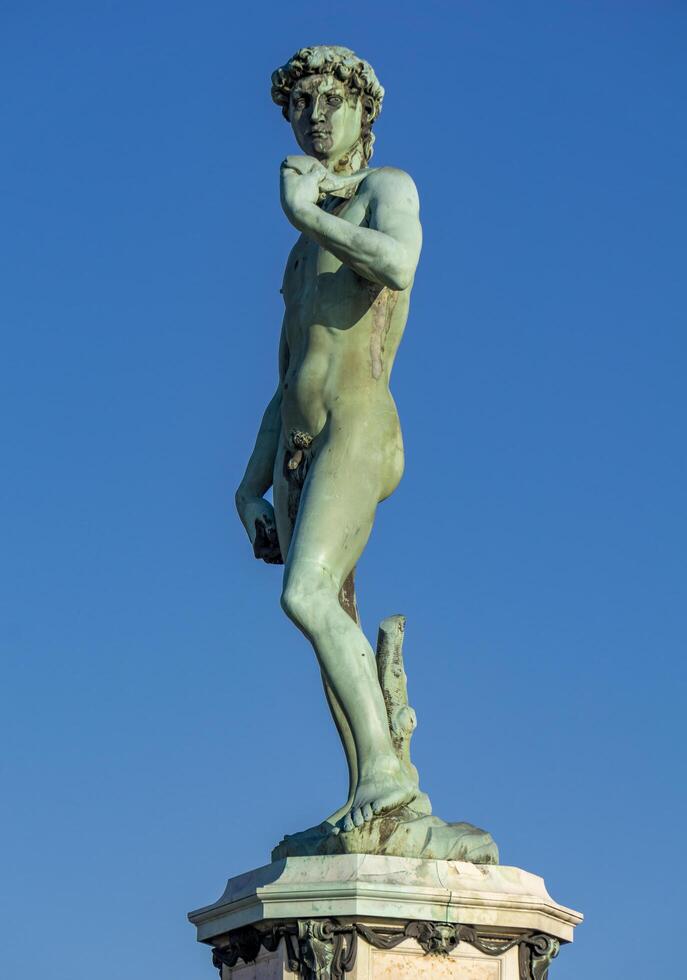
x: 324, y: 949
x: 542, y: 949
x: 316, y: 949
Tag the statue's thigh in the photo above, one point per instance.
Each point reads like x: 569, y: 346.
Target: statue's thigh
x: 337, y: 509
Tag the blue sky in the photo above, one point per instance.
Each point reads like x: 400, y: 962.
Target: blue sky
x: 162, y: 723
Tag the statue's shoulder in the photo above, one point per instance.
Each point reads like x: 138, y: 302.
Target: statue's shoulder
x: 390, y: 183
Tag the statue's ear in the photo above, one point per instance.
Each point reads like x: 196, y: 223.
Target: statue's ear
x: 368, y: 104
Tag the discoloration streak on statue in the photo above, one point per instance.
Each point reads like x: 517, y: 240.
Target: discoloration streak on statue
x: 382, y: 309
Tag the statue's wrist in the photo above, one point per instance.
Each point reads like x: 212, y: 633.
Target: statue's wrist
x: 244, y: 494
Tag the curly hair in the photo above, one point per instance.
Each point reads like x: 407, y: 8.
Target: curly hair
x: 324, y: 59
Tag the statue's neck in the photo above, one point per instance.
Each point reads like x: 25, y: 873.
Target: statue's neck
x: 349, y: 163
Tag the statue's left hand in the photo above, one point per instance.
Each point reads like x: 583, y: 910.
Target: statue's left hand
x: 301, y: 177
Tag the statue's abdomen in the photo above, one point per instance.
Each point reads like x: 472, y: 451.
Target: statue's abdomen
x: 342, y: 333
x: 303, y: 394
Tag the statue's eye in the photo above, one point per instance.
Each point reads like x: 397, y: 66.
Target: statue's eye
x: 300, y: 102
x: 334, y: 100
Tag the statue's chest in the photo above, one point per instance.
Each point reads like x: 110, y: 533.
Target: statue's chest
x: 308, y: 262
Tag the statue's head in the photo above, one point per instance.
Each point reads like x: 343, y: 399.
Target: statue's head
x: 331, y: 98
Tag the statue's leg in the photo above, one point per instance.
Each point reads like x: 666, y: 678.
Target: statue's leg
x: 285, y: 507
x: 348, y: 743
x: 347, y: 601
x: 335, y: 515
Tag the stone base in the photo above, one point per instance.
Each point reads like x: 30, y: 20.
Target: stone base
x: 370, y: 916
x: 403, y: 833
x: 408, y: 961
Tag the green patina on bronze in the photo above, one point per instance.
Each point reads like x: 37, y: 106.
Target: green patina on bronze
x: 330, y: 442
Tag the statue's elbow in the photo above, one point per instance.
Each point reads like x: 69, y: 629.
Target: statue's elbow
x: 399, y: 279
x: 401, y: 270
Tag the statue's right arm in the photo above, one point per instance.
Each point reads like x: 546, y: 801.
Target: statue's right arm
x: 256, y: 513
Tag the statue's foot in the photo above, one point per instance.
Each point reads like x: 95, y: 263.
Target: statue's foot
x: 387, y: 787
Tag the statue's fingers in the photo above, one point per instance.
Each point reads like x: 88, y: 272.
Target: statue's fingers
x: 273, y: 552
x: 338, y: 182
x: 287, y: 170
x: 301, y: 164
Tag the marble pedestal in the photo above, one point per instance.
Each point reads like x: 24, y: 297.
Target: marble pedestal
x: 368, y: 917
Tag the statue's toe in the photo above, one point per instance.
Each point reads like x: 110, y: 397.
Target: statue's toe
x: 347, y: 825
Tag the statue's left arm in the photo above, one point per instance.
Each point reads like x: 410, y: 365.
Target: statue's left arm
x: 386, y: 252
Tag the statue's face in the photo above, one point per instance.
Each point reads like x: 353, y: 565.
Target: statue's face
x: 325, y: 118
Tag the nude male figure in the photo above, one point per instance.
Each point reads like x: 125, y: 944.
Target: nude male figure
x: 330, y: 441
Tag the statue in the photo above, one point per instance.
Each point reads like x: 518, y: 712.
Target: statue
x: 330, y: 443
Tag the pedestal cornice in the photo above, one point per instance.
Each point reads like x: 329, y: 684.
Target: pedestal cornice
x: 372, y: 887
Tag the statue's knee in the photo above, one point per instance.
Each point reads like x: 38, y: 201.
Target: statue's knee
x: 302, y: 596
x: 295, y: 601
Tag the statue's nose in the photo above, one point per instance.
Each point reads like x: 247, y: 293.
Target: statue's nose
x: 317, y: 112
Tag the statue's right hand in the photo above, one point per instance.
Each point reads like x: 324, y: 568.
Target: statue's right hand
x: 300, y: 179
x: 257, y: 516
